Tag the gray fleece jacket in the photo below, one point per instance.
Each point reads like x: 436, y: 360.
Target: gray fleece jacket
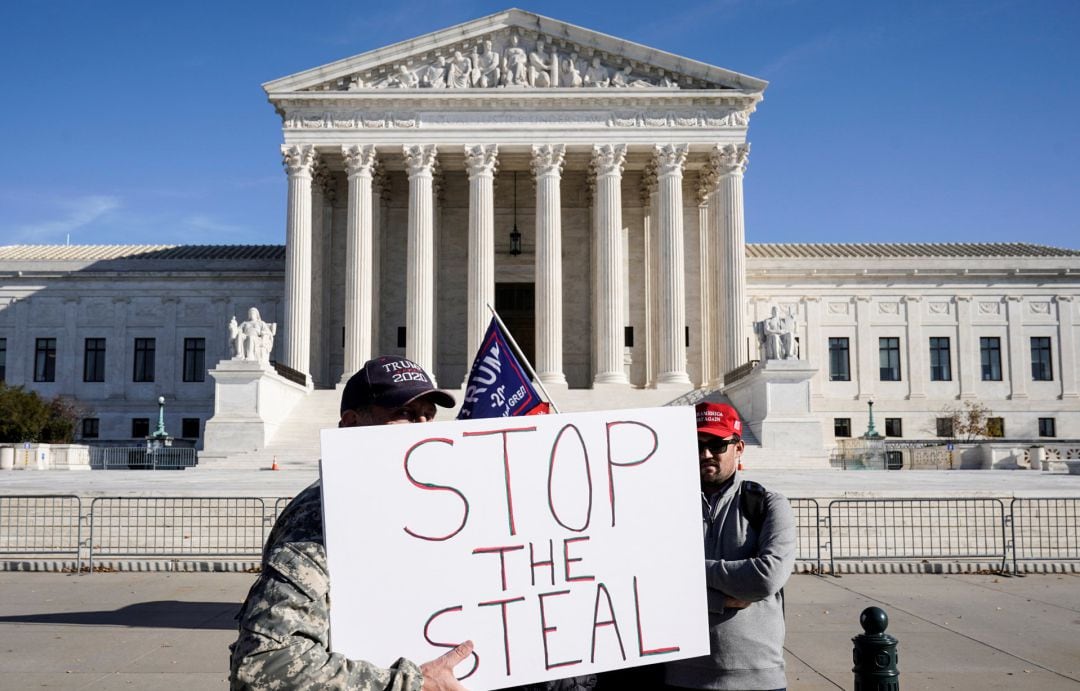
x: 747, y: 645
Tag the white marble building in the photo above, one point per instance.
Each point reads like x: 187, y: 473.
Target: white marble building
x: 621, y: 167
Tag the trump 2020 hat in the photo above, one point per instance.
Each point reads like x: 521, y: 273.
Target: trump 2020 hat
x: 718, y: 419
x: 391, y: 382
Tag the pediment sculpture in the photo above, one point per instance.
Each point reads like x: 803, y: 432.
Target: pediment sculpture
x: 252, y: 340
x: 509, y: 60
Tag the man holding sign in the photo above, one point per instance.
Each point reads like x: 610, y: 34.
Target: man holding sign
x: 284, y: 640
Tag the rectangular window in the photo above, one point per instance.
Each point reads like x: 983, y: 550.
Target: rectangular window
x: 1047, y: 428
x: 140, y: 427
x: 990, y: 355
x: 189, y: 427
x: 1042, y: 366
x: 94, y: 360
x: 940, y: 359
x: 893, y: 427
x: 144, y: 360
x: 3, y: 360
x: 841, y: 426
x: 90, y: 427
x: 45, y: 359
x: 995, y: 427
x: 889, y: 358
x: 945, y: 427
x: 194, y: 359
x: 839, y: 361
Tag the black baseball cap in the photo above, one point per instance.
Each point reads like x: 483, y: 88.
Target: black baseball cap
x: 391, y: 382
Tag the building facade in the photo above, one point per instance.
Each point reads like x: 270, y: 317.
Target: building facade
x: 591, y: 190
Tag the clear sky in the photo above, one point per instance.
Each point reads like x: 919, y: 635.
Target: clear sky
x: 884, y: 121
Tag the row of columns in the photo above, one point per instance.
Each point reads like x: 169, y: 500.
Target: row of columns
x: 723, y: 258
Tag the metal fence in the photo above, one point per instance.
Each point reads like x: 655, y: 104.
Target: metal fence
x: 141, y: 458
x: 1042, y: 529
x: 1045, y: 529
x: 916, y: 529
x: 41, y: 525
x: 808, y: 530
x: 176, y: 527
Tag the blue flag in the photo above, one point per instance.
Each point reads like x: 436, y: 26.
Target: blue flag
x: 498, y: 386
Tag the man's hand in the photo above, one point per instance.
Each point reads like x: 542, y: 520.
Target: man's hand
x: 730, y: 602
x: 439, y: 673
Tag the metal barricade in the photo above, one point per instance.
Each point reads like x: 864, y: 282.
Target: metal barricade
x: 41, y: 524
x: 808, y: 531
x: 141, y: 458
x: 279, y: 506
x: 176, y: 527
x: 1045, y: 528
x: 921, y: 529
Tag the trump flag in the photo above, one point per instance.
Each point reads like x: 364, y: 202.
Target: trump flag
x: 498, y: 386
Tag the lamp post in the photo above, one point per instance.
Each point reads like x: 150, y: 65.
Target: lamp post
x: 160, y: 431
x: 871, y: 433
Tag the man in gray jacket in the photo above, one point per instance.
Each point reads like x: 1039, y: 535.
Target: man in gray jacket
x: 749, y: 554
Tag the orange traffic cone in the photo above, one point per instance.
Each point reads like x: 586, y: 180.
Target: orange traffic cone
x: 275, y: 465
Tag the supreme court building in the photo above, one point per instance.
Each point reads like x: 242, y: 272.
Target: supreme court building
x: 589, y: 188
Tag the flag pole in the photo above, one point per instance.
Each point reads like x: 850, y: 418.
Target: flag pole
x: 521, y: 355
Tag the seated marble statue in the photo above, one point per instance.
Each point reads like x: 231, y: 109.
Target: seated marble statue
x: 434, y: 75
x: 403, y: 79
x: 569, y: 75
x: 777, y: 335
x: 515, y: 64
x: 460, y: 74
x: 253, y: 339
x: 486, y: 68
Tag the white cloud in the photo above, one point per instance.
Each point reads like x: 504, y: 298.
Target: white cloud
x: 81, y: 212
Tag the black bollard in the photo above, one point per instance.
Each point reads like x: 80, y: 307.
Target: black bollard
x: 874, y: 654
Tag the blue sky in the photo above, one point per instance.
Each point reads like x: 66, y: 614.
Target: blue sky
x: 916, y: 121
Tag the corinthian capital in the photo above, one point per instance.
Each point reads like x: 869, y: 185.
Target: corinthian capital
x: 419, y: 158
x: 608, y: 159
x: 320, y: 177
x: 548, y: 159
x: 359, y: 160
x: 707, y: 178
x: 481, y: 159
x: 730, y: 159
x: 670, y: 158
x: 298, y: 160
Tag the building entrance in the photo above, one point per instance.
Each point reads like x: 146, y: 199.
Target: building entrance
x: 516, y: 305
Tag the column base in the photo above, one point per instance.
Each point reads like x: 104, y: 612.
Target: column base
x: 610, y: 378
x: 680, y: 378
x: 556, y: 379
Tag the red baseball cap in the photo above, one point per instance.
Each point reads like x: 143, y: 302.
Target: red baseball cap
x: 718, y: 419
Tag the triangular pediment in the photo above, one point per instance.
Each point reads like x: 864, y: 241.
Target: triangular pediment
x: 513, y: 50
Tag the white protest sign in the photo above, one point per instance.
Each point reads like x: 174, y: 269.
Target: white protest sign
x: 559, y: 544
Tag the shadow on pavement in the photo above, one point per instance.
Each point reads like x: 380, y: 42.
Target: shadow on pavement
x: 174, y: 614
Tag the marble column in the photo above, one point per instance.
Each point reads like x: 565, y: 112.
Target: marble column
x: 967, y: 358
x: 381, y: 192
x: 706, y: 305
x: 299, y: 162
x: 360, y: 166
x: 650, y: 232
x: 866, y: 352
x: 319, y: 230
x: 1066, y: 347
x: 671, y: 288
x: 608, y: 161
x: 917, y: 347
x: 420, y: 257
x: 1019, y: 348
x: 481, y: 161
x: 729, y: 161
x: 547, y: 163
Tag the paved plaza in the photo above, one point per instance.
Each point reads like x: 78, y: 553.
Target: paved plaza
x: 171, y: 630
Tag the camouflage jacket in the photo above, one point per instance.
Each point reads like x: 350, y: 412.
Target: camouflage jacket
x: 284, y: 640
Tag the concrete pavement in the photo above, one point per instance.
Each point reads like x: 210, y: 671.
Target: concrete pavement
x: 171, y: 630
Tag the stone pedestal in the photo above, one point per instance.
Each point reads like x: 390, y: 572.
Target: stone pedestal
x: 250, y: 401
x: 774, y: 402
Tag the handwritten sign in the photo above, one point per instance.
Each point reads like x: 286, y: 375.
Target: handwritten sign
x: 560, y: 544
